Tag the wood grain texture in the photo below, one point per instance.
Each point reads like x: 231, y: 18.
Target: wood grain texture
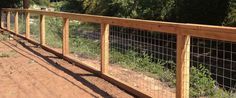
x: 16, y: 28
x: 42, y: 29
x: 27, y: 25
x: 104, y: 48
x: 183, y: 66
x: 65, y: 46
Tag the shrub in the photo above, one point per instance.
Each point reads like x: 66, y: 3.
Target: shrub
x: 201, y: 83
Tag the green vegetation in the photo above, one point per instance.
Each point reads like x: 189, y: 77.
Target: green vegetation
x: 34, y: 28
x: 201, y: 82
x: 21, y: 24
x: 217, y: 12
x: 7, y: 54
x: 132, y: 60
x: 4, y: 55
x: 4, y: 36
x: 54, y: 32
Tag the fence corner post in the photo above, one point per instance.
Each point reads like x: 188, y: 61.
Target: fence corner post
x: 183, y: 66
x: 105, y: 48
x: 65, y: 46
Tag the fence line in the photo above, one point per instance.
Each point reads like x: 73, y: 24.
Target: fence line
x: 184, y: 33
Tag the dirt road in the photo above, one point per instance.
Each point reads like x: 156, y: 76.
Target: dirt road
x: 24, y: 73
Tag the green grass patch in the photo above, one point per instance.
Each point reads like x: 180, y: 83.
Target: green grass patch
x: 7, y: 54
x: 4, y: 36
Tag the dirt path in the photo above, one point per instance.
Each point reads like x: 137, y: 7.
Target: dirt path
x: 140, y: 80
x: 30, y: 72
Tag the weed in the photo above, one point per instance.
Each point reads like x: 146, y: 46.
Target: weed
x: 4, y: 55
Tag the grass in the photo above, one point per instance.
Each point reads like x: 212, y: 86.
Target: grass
x: 4, y: 36
x: 34, y: 29
x: 7, y: 54
x: 85, y: 47
x: 54, y: 32
x: 4, y: 55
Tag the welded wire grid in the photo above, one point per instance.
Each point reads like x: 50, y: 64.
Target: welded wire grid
x: 54, y: 32
x: 35, y: 27
x: 144, y: 59
x: 85, y: 42
x: 4, y: 19
x: 12, y: 21
x: 21, y: 23
x: 219, y: 60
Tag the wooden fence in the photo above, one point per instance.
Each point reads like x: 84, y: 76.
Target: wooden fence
x: 183, y: 31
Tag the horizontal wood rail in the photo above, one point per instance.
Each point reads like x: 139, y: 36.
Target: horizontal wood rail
x: 183, y: 31
x: 206, y: 31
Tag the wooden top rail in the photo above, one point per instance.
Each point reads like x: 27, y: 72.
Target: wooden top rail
x: 206, y: 31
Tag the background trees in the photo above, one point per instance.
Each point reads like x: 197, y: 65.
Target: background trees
x: 217, y: 12
x: 10, y: 3
x: 213, y: 12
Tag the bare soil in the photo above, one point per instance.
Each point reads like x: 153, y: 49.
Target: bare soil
x: 139, y: 80
x: 27, y: 71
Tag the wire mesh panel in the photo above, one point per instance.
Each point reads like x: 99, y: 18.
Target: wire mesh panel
x: 144, y: 59
x: 85, y: 42
x: 213, y: 70
x: 34, y: 27
x: 4, y: 19
x: 54, y: 32
x: 12, y: 21
x: 21, y: 24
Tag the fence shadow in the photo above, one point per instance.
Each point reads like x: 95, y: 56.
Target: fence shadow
x: 79, y: 77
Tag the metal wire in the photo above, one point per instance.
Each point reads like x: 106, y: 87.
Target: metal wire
x: 12, y: 21
x: 34, y: 27
x: 85, y: 42
x: 137, y: 56
x: 4, y: 19
x: 22, y: 23
x: 54, y: 32
x: 219, y: 57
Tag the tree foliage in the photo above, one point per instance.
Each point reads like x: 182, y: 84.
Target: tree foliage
x: 40, y: 2
x: 10, y: 3
x: 202, y: 11
x: 212, y: 12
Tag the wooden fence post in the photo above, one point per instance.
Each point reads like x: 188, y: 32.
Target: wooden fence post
x: 16, y: 23
x: 104, y: 48
x: 183, y: 66
x: 8, y: 20
x: 42, y: 29
x: 65, y: 46
x: 27, y: 25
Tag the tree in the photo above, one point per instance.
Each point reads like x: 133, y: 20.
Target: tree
x: 202, y: 11
x: 231, y: 19
x: 26, y: 4
x: 10, y: 3
x: 40, y: 2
